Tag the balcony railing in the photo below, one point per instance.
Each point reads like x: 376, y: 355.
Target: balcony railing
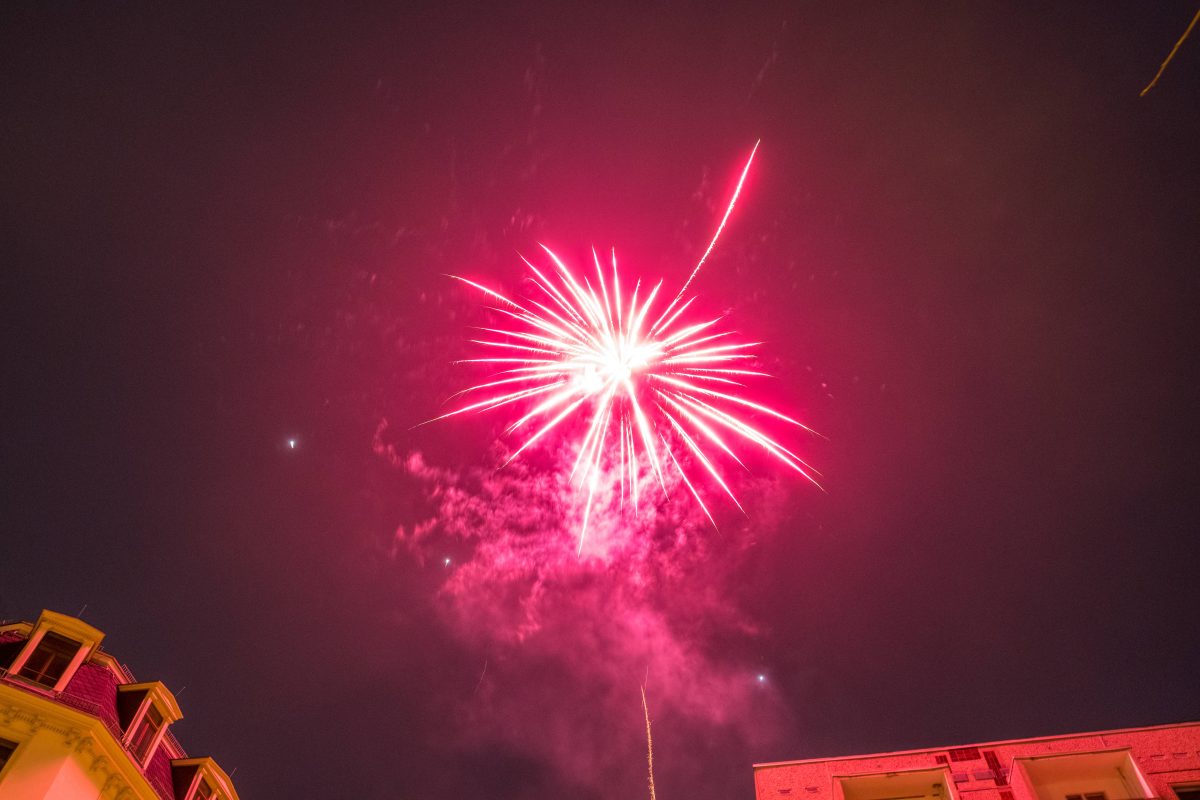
x: 170, y: 737
x: 1000, y: 776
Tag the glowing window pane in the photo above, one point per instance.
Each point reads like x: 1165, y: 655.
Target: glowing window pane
x: 50, y: 659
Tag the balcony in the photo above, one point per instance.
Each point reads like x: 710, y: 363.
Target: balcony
x: 925, y: 784
x: 1104, y: 775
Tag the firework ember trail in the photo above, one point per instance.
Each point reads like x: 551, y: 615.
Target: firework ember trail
x: 646, y: 390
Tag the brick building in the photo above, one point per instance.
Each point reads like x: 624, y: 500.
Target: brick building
x: 1160, y: 762
x: 74, y: 724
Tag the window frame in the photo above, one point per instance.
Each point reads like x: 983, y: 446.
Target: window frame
x: 157, y: 697
x: 203, y: 783
x: 207, y: 772
x: 49, y: 660
x: 142, y: 736
x: 60, y: 626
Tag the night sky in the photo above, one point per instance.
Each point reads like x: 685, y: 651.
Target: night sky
x: 969, y: 248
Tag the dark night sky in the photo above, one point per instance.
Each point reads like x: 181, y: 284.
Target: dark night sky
x: 971, y: 249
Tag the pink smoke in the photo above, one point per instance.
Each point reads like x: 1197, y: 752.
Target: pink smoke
x: 566, y: 640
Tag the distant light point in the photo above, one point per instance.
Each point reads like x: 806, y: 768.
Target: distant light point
x: 446, y: 561
x: 291, y: 444
x: 762, y: 678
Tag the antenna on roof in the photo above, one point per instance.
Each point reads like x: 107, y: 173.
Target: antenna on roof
x: 82, y: 609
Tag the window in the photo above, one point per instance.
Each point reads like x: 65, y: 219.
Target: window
x: 49, y: 660
x: 204, y: 791
x: 54, y: 649
x: 146, y: 733
x: 144, y: 710
x: 200, y: 779
x: 6, y: 751
x: 1187, y: 792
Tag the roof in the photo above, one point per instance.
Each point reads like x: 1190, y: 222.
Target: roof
x: 95, y: 689
x: 995, y: 743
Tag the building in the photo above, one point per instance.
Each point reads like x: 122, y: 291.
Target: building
x: 1160, y: 762
x: 74, y: 723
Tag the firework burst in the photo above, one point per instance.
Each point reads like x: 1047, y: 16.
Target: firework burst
x: 644, y: 385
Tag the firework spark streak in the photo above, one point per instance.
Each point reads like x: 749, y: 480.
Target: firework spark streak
x: 644, y: 393
x: 649, y: 744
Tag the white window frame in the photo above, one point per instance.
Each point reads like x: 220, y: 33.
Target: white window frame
x: 156, y: 695
x: 206, y: 770
x: 75, y: 630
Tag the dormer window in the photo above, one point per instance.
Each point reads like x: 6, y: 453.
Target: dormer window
x: 201, y: 779
x: 203, y: 791
x: 146, y: 734
x: 49, y: 660
x: 145, y: 710
x: 56, y: 647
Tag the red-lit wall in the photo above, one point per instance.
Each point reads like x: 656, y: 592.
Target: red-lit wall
x: 1165, y: 756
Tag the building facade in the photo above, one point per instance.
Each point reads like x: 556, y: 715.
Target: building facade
x: 1155, y: 763
x: 76, y: 725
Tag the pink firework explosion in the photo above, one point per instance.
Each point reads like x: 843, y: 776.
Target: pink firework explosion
x: 650, y: 384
